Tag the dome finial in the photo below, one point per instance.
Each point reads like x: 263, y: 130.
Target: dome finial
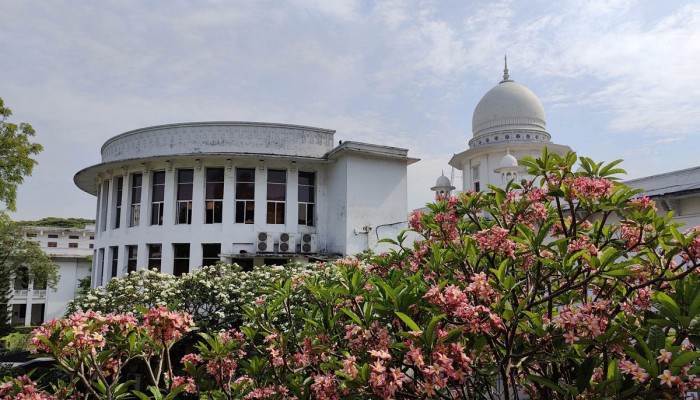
x: 506, y: 77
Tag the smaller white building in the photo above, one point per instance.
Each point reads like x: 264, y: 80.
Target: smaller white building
x: 68, y: 248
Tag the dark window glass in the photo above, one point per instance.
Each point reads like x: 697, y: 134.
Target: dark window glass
x: 214, y: 194
x: 132, y: 254
x: 52, y: 236
x: 53, y: 244
x: 184, y: 196
x: 307, y: 198
x: 276, y: 195
x: 245, y: 195
x: 115, y: 260
x: 118, y: 203
x: 73, y: 245
x: 181, y: 259
x: 154, y: 256
x: 73, y: 237
x: 210, y: 253
x: 157, y: 197
x: 135, y: 216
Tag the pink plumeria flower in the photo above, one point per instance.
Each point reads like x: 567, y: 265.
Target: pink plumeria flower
x: 665, y: 356
x: 666, y: 378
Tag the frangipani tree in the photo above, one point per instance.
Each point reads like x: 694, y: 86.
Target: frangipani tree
x: 564, y: 287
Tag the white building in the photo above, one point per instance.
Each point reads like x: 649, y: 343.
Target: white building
x: 508, y: 124
x: 68, y: 248
x: 175, y: 197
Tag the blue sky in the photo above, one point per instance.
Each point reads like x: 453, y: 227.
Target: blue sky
x: 618, y: 79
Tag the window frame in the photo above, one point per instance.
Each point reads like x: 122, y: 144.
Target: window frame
x: 309, y: 206
x: 276, y: 208
x: 213, y: 205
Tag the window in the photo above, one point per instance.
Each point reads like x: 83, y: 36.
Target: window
x: 73, y: 245
x: 118, y: 202
x: 276, y: 195
x: 103, y: 209
x: 31, y: 235
x: 245, y: 195
x: 100, y: 266
x: 246, y: 264
x: 92, y: 238
x: 157, y: 196
x: 135, y: 216
x: 132, y: 253
x: 210, y: 253
x: 181, y: 258
x: 53, y: 236
x: 214, y: 196
x: 74, y: 237
x: 53, y: 244
x: 185, y: 178
x: 114, y: 250
x: 154, y: 256
x: 92, y: 246
x: 307, y: 197
x: 475, y: 178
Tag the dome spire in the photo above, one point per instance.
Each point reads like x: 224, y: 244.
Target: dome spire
x: 506, y: 77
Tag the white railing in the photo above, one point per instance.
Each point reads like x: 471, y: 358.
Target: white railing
x: 40, y: 294
x: 21, y: 293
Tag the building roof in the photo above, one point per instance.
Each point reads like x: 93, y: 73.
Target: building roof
x: 677, y: 183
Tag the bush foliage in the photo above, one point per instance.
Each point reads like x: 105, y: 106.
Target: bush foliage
x: 567, y: 286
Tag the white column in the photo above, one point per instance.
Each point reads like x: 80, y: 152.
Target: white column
x: 292, y: 203
x: 169, y: 197
x: 198, y: 188
x: 260, y: 198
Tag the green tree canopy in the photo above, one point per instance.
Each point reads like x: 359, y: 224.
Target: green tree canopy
x: 77, y: 223
x: 16, y: 151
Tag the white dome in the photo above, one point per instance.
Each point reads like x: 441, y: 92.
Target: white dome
x: 443, y: 181
x: 508, y: 161
x: 510, y: 108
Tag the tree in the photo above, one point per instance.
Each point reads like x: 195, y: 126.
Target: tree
x: 20, y: 256
x: 16, y: 153
x: 568, y: 286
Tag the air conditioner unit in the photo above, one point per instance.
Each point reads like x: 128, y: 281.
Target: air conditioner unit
x: 309, y: 243
x: 265, y: 243
x: 287, y: 243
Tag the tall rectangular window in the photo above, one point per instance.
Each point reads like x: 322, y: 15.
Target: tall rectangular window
x: 475, y: 178
x: 185, y: 178
x: 135, y: 215
x: 214, y: 196
x: 100, y: 266
x: 114, y: 250
x: 210, y: 253
x: 307, y: 198
x: 245, y: 195
x: 118, y: 202
x: 181, y: 258
x: 157, y: 197
x: 276, y: 195
x: 103, y: 210
x: 154, y: 256
x: 132, y: 258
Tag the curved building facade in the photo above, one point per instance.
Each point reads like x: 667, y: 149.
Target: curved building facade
x: 175, y: 197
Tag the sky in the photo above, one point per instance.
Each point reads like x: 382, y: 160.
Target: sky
x: 618, y: 78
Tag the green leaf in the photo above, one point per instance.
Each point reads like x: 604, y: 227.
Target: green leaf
x: 685, y: 358
x: 584, y: 374
x: 408, y: 321
x: 548, y: 383
x: 353, y: 316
